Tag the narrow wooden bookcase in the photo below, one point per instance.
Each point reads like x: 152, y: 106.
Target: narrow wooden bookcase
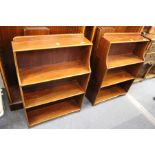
x: 53, y: 72
x: 148, y: 69
x: 115, y: 64
x: 150, y: 56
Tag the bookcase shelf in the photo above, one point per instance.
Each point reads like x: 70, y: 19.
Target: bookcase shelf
x: 51, y: 111
x: 50, y: 92
x: 123, y: 60
x: 108, y: 93
x: 115, y: 64
x: 51, y: 68
x: 42, y: 42
x: 52, y: 72
x: 115, y: 76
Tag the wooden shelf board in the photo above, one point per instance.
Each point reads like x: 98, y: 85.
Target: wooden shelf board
x: 51, y: 72
x: 29, y: 43
x: 49, y: 112
x: 124, y: 37
x: 123, y: 60
x: 109, y: 93
x: 52, y: 93
x: 115, y: 77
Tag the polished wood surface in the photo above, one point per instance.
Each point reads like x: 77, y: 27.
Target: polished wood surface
x: 116, y: 76
x: 108, y: 93
x: 53, y: 111
x: 123, y: 60
x: 49, y: 42
x: 49, y: 93
x: 51, y: 72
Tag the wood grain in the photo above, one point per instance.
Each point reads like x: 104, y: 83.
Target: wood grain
x: 116, y: 76
x: 49, y: 112
x: 49, y: 42
x: 51, y: 72
x: 47, y: 94
x: 108, y: 93
x: 123, y: 60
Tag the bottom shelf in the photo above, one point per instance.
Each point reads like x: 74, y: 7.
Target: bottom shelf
x: 109, y: 92
x: 51, y: 111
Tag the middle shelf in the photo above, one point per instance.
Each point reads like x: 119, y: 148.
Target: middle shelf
x: 44, y: 93
x: 118, y: 75
x: 123, y: 60
x: 47, y: 73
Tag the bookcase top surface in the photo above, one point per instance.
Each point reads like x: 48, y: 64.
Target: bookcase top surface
x: 124, y: 37
x: 39, y: 42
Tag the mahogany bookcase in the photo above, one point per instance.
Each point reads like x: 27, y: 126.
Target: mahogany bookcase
x: 115, y: 64
x: 53, y: 72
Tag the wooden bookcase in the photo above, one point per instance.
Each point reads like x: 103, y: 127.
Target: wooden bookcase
x: 150, y: 56
x: 115, y: 65
x: 53, y: 73
x: 148, y: 69
x: 7, y: 33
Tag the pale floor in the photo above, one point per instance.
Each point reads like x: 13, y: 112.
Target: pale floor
x: 134, y: 111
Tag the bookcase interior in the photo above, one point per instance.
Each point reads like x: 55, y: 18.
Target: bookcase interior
x: 52, y: 91
x: 121, y: 54
x: 112, y: 91
x: 53, y: 110
x: 120, y: 74
x: 44, y: 65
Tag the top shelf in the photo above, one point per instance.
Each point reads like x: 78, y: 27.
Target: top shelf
x: 124, y: 37
x: 29, y: 43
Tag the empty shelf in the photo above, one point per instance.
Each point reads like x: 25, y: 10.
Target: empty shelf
x: 108, y: 93
x: 48, y: 112
x: 51, y: 93
x: 29, y: 43
x: 51, y: 72
x: 123, y: 60
x: 114, y: 77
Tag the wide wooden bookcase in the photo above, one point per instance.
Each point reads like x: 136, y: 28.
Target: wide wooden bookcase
x: 7, y: 33
x: 115, y: 64
x: 53, y: 72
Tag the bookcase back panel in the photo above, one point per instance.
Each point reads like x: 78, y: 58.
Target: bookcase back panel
x: 134, y: 69
x: 77, y: 79
x: 126, y: 85
x: 125, y: 48
x: 49, y: 57
x: 122, y: 48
